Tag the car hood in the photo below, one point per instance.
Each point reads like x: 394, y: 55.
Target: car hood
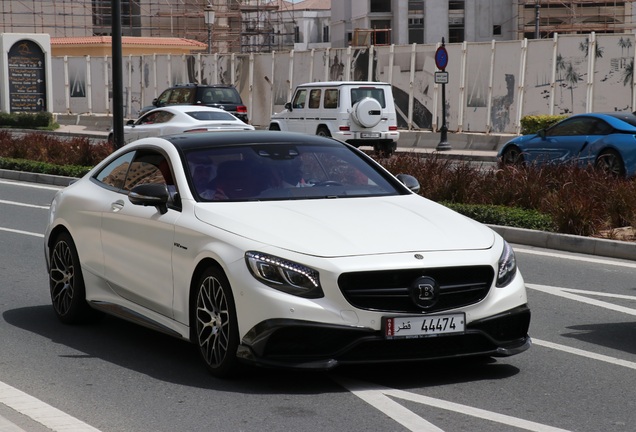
x: 349, y: 226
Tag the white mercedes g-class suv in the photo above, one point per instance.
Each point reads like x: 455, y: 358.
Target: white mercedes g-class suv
x: 361, y: 113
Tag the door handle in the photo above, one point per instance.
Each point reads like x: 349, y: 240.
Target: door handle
x: 117, y: 205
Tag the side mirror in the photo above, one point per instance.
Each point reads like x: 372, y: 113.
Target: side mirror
x: 541, y: 133
x: 130, y: 122
x: 410, y: 182
x: 155, y: 195
x: 288, y: 106
x: 155, y: 102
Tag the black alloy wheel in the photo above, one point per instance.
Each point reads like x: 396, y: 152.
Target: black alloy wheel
x: 512, y: 156
x: 323, y: 132
x: 68, y: 293
x: 216, y: 324
x: 610, y: 162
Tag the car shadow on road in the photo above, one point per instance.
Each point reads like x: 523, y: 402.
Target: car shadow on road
x: 618, y: 336
x: 169, y: 359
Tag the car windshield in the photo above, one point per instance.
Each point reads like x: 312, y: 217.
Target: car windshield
x: 283, y: 172
x: 211, y: 115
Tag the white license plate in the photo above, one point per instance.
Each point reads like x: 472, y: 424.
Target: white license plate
x: 370, y: 135
x: 423, y: 326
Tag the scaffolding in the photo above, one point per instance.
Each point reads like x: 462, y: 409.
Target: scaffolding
x: 240, y: 25
x: 573, y: 17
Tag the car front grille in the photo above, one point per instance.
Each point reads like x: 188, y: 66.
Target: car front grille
x: 388, y: 291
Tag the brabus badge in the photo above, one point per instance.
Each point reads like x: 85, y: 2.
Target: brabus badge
x: 424, y: 292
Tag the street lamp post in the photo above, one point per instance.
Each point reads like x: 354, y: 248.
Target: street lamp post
x: 208, y: 16
x: 537, y: 8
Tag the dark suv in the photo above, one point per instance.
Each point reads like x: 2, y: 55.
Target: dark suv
x: 221, y: 96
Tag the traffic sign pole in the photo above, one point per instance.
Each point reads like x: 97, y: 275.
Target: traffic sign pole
x: 441, y: 61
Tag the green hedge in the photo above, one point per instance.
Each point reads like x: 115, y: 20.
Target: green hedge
x: 505, y: 216
x: 39, y: 120
x: 533, y: 124
x: 43, y: 167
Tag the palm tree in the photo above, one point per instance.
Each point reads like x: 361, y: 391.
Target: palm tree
x: 621, y: 44
x: 585, y: 45
x: 628, y: 77
x: 560, y: 68
x: 628, y: 73
x: 572, y: 77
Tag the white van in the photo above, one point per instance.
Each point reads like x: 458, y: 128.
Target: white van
x: 361, y: 113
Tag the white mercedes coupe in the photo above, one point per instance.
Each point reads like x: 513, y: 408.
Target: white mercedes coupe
x: 280, y: 249
x: 174, y: 119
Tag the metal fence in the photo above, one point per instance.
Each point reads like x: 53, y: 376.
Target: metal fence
x: 491, y: 85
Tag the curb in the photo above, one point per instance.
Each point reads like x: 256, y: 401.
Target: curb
x: 563, y: 242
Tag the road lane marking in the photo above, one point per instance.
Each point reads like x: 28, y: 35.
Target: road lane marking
x: 577, y: 258
x: 583, y: 353
x: 31, y: 185
x: 380, y: 398
x: 15, y: 203
x: 41, y: 412
x: 22, y: 232
x: 7, y: 426
x: 573, y: 294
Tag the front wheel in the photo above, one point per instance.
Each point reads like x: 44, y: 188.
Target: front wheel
x: 68, y: 293
x: 274, y: 127
x: 611, y: 162
x: 512, y: 156
x: 216, y: 324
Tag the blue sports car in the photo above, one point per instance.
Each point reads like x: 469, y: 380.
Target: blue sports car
x: 604, y: 140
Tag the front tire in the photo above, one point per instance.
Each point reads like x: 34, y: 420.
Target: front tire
x: 512, y: 156
x: 216, y: 325
x: 68, y: 292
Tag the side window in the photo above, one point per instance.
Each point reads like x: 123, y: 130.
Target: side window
x: 601, y: 128
x: 299, y: 99
x: 176, y: 96
x: 149, y: 118
x: 331, y: 98
x: 114, y: 174
x: 164, y: 97
x: 146, y: 168
x: 571, y: 127
x: 314, y: 98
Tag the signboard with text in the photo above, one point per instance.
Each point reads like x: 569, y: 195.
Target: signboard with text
x: 26, y: 76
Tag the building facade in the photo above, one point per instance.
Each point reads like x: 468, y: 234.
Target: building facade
x: 242, y: 26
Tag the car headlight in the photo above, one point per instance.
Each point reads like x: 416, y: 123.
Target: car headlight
x: 507, y: 266
x: 284, y: 275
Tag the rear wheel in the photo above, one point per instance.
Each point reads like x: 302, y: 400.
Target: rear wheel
x: 216, y: 324
x: 611, y: 162
x: 274, y: 127
x: 323, y: 131
x: 512, y: 156
x: 68, y: 293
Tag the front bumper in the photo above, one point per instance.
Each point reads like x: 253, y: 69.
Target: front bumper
x: 307, y: 345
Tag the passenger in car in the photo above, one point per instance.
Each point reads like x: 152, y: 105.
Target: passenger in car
x: 234, y: 180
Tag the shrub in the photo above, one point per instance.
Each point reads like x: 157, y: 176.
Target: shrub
x: 26, y: 120
x: 573, y: 200
x: 40, y: 147
x: 506, y: 216
x: 533, y: 124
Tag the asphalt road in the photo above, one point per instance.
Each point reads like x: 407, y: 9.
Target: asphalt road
x: 113, y: 376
